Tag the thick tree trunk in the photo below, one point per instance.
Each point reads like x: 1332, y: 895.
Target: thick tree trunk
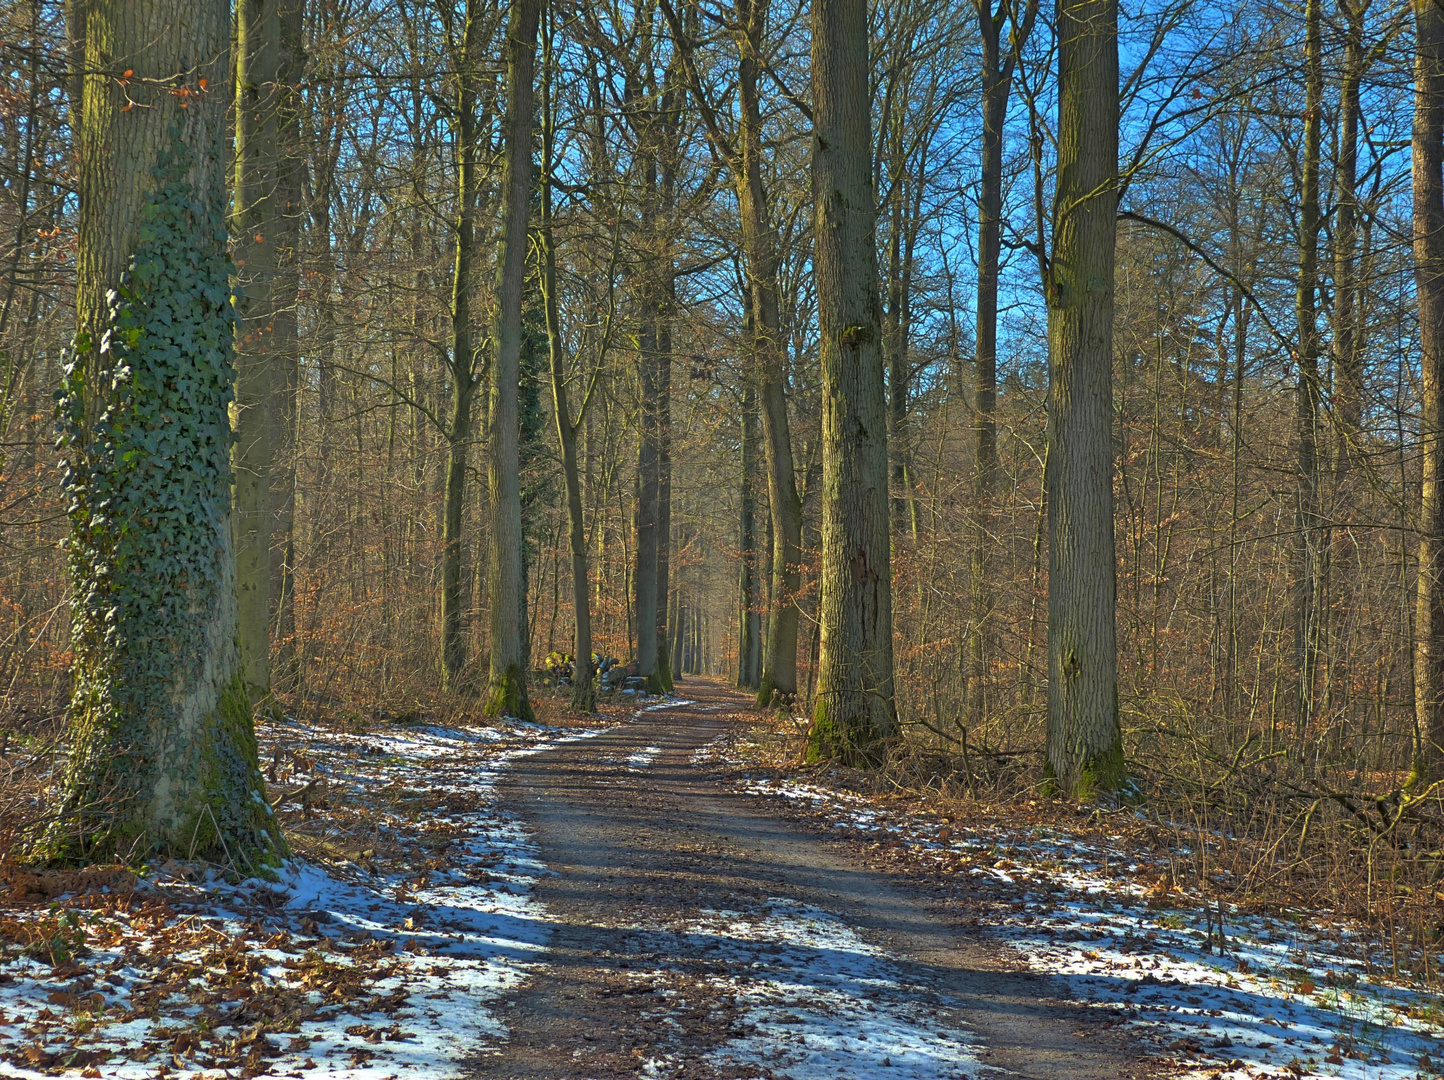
x: 854, y: 715
x: 1085, y: 746
x: 462, y: 361
x: 1308, y: 547
x: 1428, y: 170
x: 507, y: 693
x: 255, y: 226
x: 163, y: 753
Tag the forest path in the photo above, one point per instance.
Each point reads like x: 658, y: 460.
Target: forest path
x: 696, y: 935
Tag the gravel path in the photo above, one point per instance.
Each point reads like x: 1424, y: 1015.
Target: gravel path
x: 696, y: 935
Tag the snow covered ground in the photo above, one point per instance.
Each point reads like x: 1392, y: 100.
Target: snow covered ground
x: 822, y: 1004
x: 378, y: 967
x: 1290, y: 996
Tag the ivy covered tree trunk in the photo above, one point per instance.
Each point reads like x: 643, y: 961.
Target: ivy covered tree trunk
x: 506, y: 695
x: 162, y: 749
x: 255, y: 226
x: 1084, y: 741
x: 854, y: 714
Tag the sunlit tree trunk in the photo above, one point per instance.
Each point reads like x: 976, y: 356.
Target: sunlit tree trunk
x: 507, y: 692
x: 255, y: 226
x: 163, y: 753
x: 1084, y: 741
x: 854, y: 715
x: 1428, y: 171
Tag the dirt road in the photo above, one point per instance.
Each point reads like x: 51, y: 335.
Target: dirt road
x: 697, y: 935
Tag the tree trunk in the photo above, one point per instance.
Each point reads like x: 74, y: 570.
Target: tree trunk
x: 662, y: 682
x: 463, y: 375
x: 997, y: 82
x: 1347, y: 350
x: 1308, y: 520
x: 254, y: 225
x: 584, y: 694
x: 1084, y: 741
x: 778, y: 682
x: 163, y: 752
x: 289, y: 164
x: 1428, y: 171
x: 854, y: 714
x: 507, y: 693
x: 749, y: 642
x: 74, y: 63
x: 644, y: 579
x: 1348, y: 373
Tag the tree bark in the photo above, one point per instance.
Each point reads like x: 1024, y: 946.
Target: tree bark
x: 749, y: 642
x: 285, y: 669
x: 507, y: 694
x: 462, y: 361
x: 854, y: 715
x: 644, y: 579
x: 1308, y: 519
x: 1084, y: 740
x: 1428, y: 173
x: 254, y: 226
x: 163, y: 752
x: 662, y: 681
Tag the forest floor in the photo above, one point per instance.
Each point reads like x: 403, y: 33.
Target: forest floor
x: 658, y: 894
